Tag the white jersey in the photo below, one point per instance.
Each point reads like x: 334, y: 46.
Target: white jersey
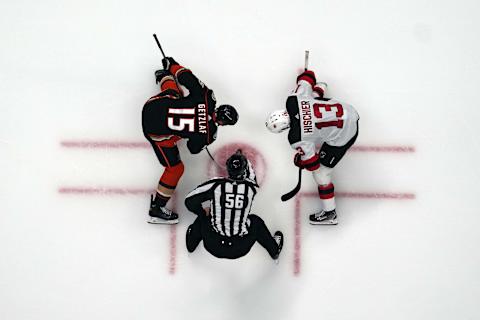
x: 317, y: 121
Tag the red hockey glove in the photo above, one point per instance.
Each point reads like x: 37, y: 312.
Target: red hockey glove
x: 298, y: 161
x: 308, y: 76
x: 168, y: 62
x: 311, y: 164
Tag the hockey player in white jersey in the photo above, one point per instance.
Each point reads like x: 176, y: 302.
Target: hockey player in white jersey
x: 321, y: 130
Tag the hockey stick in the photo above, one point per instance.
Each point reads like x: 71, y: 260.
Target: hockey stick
x: 164, y: 57
x: 307, y: 53
x: 213, y: 159
x: 159, y: 46
x: 163, y: 54
x: 291, y: 194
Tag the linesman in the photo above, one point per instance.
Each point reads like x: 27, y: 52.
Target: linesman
x: 224, y: 221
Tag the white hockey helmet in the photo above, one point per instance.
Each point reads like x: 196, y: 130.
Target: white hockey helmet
x: 278, y: 121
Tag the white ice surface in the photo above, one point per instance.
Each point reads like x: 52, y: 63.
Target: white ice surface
x: 81, y: 70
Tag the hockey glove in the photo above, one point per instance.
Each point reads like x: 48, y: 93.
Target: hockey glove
x: 195, y: 145
x: 308, y: 76
x: 311, y: 164
x: 297, y: 160
x: 168, y: 62
x: 161, y: 74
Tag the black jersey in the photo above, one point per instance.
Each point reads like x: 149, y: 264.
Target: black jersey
x: 190, y: 116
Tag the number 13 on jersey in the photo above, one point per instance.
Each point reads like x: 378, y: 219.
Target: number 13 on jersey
x: 325, y: 112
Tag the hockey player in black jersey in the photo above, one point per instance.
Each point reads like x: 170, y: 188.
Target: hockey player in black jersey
x: 224, y: 222
x: 184, y: 109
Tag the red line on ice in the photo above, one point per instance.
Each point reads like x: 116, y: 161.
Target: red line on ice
x: 172, y: 267
x: 103, y: 144
x: 367, y: 195
x: 356, y: 195
x: 85, y: 144
x: 112, y: 191
x: 298, y: 240
x: 104, y: 191
x: 396, y: 149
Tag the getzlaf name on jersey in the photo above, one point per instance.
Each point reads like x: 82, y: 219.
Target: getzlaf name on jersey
x: 314, y: 121
x: 190, y: 117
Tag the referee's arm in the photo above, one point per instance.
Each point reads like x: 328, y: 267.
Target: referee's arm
x: 196, y: 197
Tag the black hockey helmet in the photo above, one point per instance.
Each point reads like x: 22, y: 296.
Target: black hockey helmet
x: 225, y: 115
x: 237, y: 166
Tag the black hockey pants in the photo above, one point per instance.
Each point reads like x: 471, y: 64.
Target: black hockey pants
x: 236, y: 246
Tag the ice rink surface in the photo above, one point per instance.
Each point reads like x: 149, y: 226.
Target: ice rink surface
x: 76, y: 173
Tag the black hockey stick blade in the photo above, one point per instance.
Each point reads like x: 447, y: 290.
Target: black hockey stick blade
x: 291, y: 194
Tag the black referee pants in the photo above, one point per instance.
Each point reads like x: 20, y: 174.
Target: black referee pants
x: 236, y: 246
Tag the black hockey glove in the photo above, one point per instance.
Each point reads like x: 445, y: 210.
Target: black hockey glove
x: 160, y: 74
x: 195, y: 145
x: 168, y: 62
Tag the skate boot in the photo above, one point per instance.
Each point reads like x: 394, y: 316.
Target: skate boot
x: 278, y: 236
x: 324, y: 217
x: 192, y: 241
x: 161, y: 215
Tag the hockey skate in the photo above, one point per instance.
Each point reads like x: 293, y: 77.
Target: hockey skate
x: 161, y: 215
x: 278, y: 236
x: 324, y: 217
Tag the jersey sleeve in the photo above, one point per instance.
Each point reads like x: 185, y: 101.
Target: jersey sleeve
x: 309, y: 159
x: 251, y: 174
x: 186, y: 78
x: 292, y: 109
x: 198, y: 141
x: 305, y: 83
x: 303, y: 88
x: 199, y: 195
x: 306, y: 150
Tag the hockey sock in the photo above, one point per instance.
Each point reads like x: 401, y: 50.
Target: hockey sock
x: 161, y: 200
x: 327, y: 196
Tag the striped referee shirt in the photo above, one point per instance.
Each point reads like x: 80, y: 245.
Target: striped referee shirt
x: 230, y: 203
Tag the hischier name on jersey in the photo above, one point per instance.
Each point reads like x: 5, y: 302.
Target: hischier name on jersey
x: 321, y: 130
